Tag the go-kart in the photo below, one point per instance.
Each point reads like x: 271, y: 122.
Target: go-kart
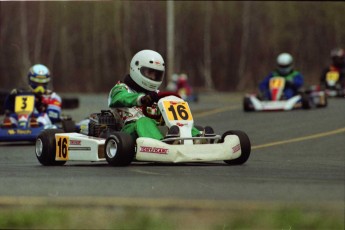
x: 67, y: 102
x: 303, y: 100
x: 27, y: 130
x: 105, y: 141
x: 332, y: 85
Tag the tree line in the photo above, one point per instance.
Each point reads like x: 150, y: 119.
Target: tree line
x: 221, y: 45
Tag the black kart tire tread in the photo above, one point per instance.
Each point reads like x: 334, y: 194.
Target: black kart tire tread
x: 305, y: 101
x: 47, y: 157
x: 68, y: 126
x: 246, y: 107
x: 125, y: 149
x: 245, y: 147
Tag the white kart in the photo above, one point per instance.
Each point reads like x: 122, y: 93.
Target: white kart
x: 305, y: 100
x: 105, y: 142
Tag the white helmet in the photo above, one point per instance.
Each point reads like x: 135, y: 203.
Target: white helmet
x: 284, y: 62
x: 147, y: 69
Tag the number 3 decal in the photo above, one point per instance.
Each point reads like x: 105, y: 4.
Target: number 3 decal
x: 24, y: 104
x: 62, y: 148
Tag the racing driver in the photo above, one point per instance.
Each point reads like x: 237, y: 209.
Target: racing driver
x: 293, y: 78
x: 140, y: 88
x: 336, y: 69
x: 47, y: 103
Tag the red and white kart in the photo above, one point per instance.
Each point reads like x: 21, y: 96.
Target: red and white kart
x: 305, y: 100
x: 105, y: 141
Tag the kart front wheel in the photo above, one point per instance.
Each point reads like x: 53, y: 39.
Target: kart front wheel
x: 45, y: 147
x: 306, y: 103
x: 119, y: 149
x: 245, y: 147
x: 247, y: 105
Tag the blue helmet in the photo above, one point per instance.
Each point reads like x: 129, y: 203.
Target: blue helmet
x: 39, y: 77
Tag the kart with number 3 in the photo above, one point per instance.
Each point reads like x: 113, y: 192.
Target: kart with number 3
x: 105, y: 141
x: 26, y: 129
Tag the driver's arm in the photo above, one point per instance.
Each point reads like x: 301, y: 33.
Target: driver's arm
x: 120, y: 96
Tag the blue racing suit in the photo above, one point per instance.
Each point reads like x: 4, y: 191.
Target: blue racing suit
x: 293, y: 82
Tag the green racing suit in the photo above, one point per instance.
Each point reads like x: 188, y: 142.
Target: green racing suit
x: 126, y: 102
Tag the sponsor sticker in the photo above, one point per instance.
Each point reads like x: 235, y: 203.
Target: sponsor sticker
x: 75, y: 142
x: 236, y: 148
x: 155, y: 150
x: 19, y: 131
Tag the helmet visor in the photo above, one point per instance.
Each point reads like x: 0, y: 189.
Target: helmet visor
x: 152, y: 74
x: 284, y: 69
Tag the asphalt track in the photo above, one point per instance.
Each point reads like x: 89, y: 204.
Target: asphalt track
x: 297, y: 157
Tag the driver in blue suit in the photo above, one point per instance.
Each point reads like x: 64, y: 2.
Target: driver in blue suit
x: 294, y: 80
x: 47, y: 103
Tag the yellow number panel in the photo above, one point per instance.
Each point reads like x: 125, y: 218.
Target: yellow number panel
x: 276, y: 82
x: 62, y: 145
x: 332, y: 76
x: 24, y: 104
x: 177, y: 111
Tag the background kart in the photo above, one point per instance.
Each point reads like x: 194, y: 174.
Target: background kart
x: 26, y: 130
x: 334, y: 86
x: 67, y: 102
x: 304, y: 99
x: 105, y: 141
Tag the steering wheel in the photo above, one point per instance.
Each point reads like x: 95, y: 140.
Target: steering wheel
x: 158, y: 117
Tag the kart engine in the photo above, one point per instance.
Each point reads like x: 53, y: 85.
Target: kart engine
x: 103, y: 122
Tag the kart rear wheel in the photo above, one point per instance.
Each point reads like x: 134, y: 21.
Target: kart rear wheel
x: 245, y: 147
x: 45, y: 147
x: 119, y: 149
x: 68, y: 126
x: 247, y: 106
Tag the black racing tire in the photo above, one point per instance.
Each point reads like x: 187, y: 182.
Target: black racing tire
x: 119, y: 149
x: 199, y: 127
x: 245, y: 147
x: 45, y: 147
x: 246, y: 105
x: 306, y: 104
x: 68, y: 126
x: 70, y: 103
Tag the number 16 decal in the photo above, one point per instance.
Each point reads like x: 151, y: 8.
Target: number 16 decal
x: 178, y: 111
x: 62, y: 143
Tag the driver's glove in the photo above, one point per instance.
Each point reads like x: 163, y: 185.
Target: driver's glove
x: 149, y: 99
x: 40, y: 104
